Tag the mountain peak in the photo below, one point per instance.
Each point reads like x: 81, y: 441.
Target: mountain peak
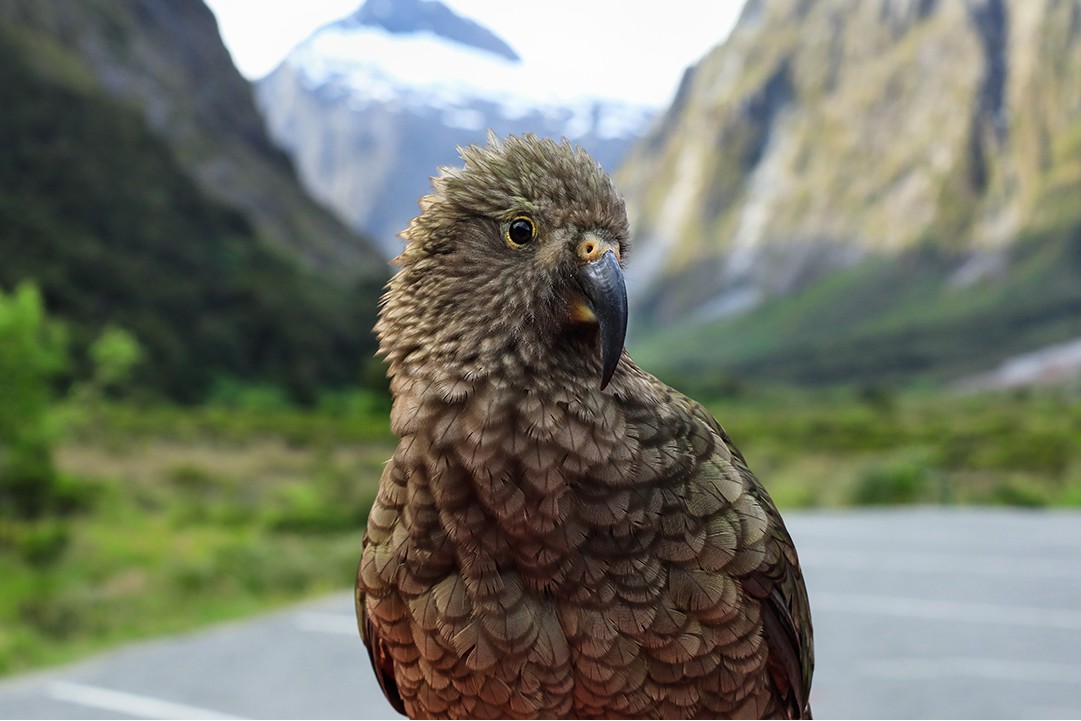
x: 397, y: 85
x: 406, y: 17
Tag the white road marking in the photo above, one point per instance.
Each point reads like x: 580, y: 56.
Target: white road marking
x: 328, y: 623
x: 959, y: 564
x: 920, y: 669
x: 953, y: 611
x: 129, y: 704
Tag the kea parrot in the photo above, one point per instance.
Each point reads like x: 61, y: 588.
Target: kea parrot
x: 559, y: 533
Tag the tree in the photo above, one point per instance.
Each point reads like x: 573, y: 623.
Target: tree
x: 33, y: 351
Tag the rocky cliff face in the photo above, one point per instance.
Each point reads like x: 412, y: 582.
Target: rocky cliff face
x: 167, y: 60
x: 371, y: 105
x: 822, y: 134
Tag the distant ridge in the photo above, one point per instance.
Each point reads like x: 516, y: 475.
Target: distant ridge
x: 403, y: 17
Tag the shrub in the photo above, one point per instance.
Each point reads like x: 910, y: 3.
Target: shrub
x: 32, y: 353
x: 893, y: 482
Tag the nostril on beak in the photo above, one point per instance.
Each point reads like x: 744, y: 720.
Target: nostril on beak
x: 592, y: 248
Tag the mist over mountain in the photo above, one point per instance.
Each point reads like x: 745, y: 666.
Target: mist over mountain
x: 369, y: 107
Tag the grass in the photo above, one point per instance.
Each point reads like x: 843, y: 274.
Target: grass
x: 872, y: 446
x: 193, y: 516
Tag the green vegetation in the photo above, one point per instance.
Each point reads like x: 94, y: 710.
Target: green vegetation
x: 888, y: 322
x: 188, y: 516
x: 122, y: 520
x: 95, y: 209
x: 875, y: 446
x: 32, y: 352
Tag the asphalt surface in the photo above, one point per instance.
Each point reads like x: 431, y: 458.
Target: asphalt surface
x: 918, y: 614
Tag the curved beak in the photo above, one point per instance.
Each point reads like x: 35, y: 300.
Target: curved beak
x: 602, y: 283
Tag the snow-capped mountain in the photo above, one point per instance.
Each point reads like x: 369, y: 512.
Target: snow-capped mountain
x: 369, y: 107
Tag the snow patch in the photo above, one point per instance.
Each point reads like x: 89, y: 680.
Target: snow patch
x: 1052, y: 365
x: 424, y: 70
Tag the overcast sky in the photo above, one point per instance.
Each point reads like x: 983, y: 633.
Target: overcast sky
x: 652, y: 43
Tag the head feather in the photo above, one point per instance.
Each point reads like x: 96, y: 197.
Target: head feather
x: 463, y: 300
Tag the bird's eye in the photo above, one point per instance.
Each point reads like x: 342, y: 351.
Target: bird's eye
x: 521, y: 231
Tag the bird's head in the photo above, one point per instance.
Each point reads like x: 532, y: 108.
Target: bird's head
x: 518, y: 254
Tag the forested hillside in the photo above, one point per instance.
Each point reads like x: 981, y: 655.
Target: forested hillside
x: 98, y: 209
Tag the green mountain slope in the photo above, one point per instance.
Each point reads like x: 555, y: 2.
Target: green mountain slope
x: 886, y: 321
x: 848, y: 191
x: 96, y: 207
x: 167, y: 61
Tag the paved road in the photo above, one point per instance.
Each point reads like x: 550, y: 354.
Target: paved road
x: 918, y: 614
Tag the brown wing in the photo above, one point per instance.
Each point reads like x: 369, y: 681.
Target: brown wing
x: 786, y: 614
x: 778, y: 585
x: 786, y: 623
x: 382, y: 663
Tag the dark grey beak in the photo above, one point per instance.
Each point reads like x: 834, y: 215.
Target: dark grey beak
x: 602, y: 282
